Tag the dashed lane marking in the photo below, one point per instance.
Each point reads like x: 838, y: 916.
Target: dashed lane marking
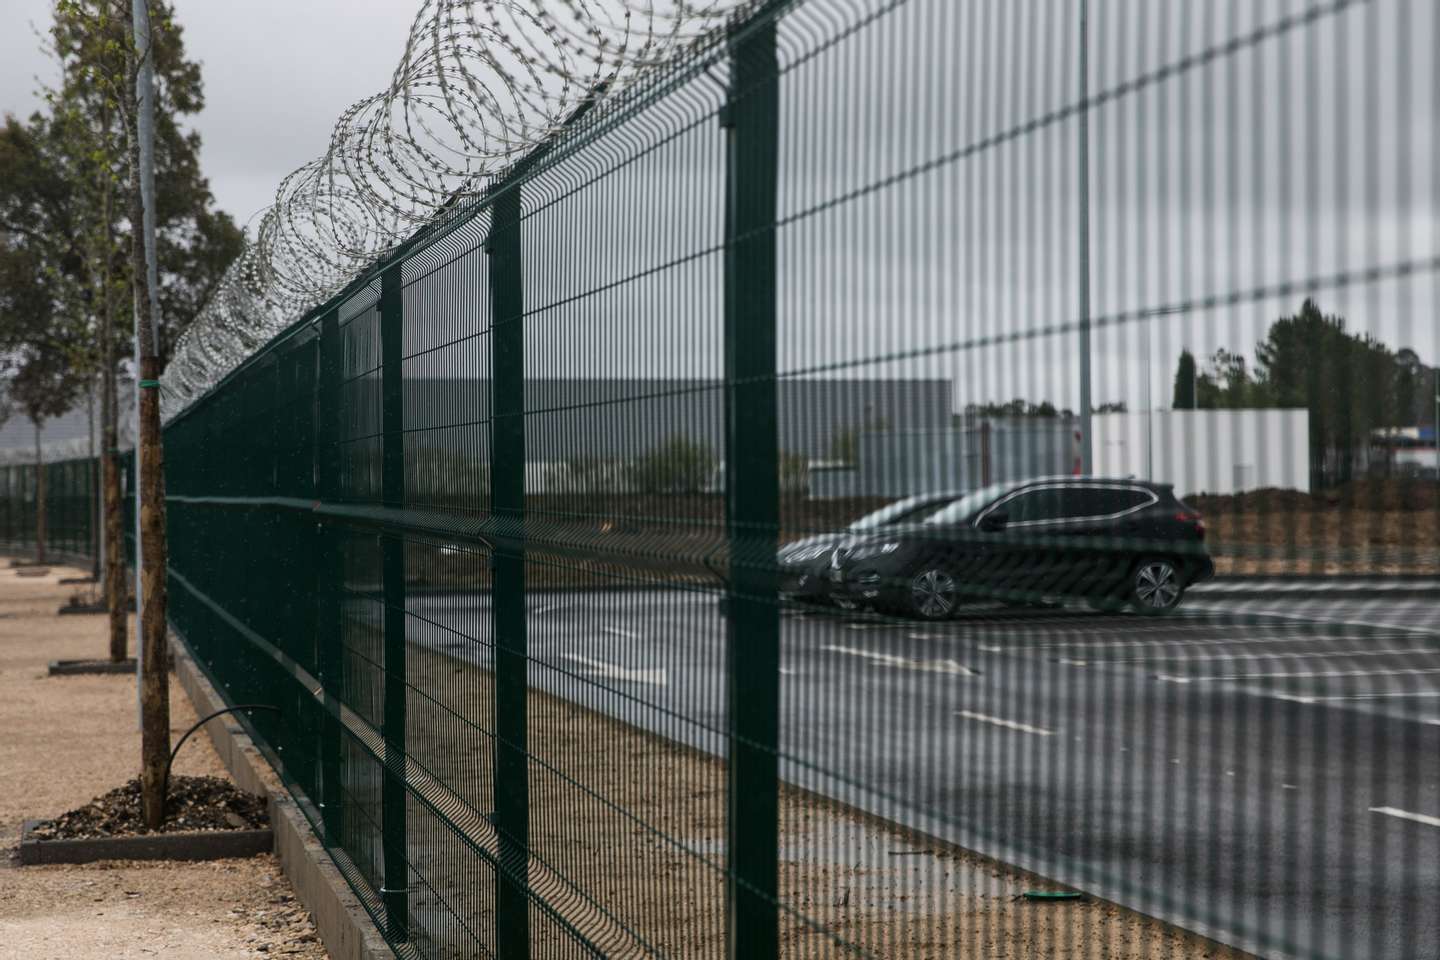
x: 1203, y: 641
x: 1007, y: 724
x: 1281, y: 656
x: 1407, y: 815
x: 1320, y: 673
x: 903, y: 663
x: 612, y: 671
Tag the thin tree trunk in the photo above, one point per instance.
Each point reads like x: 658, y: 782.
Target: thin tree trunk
x: 155, y: 675
x: 117, y: 591
x: 39, y: 497
x: 94, y: 517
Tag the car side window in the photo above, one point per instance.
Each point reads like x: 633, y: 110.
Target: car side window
x: 920, y: 513
x: 1034, y: 506
x: 1085, y: 502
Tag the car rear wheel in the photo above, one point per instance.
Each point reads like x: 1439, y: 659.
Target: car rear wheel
x: 933, y: 594
x: 1156, y: 587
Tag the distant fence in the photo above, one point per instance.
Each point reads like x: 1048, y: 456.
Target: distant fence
x: 509, y: 702
x: 71, y: 509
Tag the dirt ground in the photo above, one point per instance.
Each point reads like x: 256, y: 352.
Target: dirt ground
x: 1337, y: 541
x: 67, y: 740
x: 638, y: 823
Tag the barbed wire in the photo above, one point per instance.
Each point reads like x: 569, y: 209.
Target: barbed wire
x: 480, y: 83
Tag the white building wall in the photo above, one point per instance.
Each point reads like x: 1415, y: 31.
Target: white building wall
x: 1207, y: 451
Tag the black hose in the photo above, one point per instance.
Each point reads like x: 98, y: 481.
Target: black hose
x: 165, y: 784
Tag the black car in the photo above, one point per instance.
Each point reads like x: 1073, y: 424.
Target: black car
x: 803, y: 563
x: 1112, y: 543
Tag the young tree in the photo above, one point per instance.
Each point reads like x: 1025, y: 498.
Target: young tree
x: 195, y: 243
x: 1183, y: 397
x: 91, y: 146
x: 45, y: 385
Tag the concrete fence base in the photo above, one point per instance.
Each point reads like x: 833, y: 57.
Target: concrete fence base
x: 343, y: 924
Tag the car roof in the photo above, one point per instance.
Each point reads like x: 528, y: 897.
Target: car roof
x: 1090, y: 479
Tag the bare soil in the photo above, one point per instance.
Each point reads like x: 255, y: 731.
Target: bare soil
x: 637, y: 822
x: 1336, y: 541
x: 68, y: 740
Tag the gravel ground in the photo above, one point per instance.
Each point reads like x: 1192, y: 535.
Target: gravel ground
x: 70, y: 739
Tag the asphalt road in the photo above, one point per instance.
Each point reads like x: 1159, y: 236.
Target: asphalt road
x: 1264, y: 772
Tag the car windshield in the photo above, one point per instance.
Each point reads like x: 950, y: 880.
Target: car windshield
x: 909, y: 509
x: 962, y: 509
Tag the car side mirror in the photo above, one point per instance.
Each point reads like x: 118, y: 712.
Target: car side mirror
x: 994, y: 521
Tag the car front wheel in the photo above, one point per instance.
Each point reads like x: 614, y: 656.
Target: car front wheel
x: 933, y: 594
x: 1156, y: 587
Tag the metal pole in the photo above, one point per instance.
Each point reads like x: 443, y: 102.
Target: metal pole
x: 1149, y: 409
x: 145, y: 134
x: 1087, y: 463
x: 752, y: 493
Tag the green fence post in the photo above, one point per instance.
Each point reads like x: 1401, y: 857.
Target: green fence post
x: 507, y: 598
x: 392, y: 575
x: 752, y: 493
x: 330, y: 574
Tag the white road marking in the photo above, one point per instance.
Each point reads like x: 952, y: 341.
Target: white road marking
x: 1300, y: 618
x: 1204, y: 641
x: 552, y: 606
x: 1322, y: 673
x: 1071, y: 663
x: 990, y: 648
x: 1426, y: 819
x: 617, y: 632
x: 1280, y: 656
x: 611, y: 671
x: 1365, y: 696
x: 903, y: 663
x: 1171, y: 678
x: 1007, y: 724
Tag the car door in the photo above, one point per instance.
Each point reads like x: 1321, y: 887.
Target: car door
x: 1113, y: 519
x: 1021, y: 558
x: 1090, y: 542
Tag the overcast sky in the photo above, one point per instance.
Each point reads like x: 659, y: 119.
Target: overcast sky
x: 1308, y: 154
x: 277, y: 73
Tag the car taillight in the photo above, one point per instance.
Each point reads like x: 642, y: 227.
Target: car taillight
x: 1194, y: 519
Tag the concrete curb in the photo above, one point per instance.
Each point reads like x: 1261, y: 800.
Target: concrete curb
x: 197, y: 845
x: 343, y: 924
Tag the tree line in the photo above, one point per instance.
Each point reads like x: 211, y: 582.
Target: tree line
x: 1350, y: 384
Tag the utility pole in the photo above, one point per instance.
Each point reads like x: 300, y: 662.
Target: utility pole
x: 153, y: 661
x: 1087, y: 439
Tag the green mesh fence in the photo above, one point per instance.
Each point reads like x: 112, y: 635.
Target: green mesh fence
x: 711, y: 538
x: 71, y: 528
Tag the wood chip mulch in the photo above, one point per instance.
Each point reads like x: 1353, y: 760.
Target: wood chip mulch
x: 195, y: 803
